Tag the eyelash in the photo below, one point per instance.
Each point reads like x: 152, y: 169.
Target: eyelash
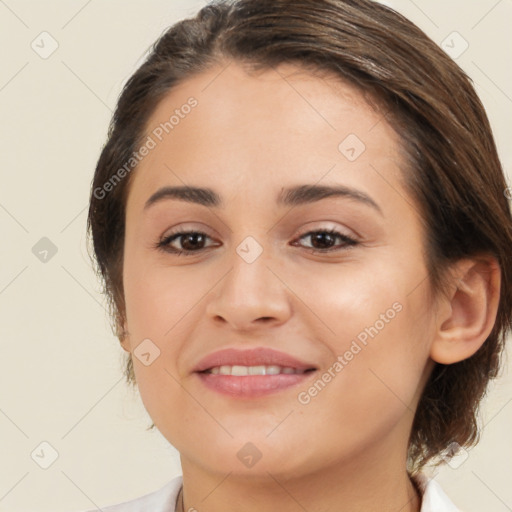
x: 163, y: 245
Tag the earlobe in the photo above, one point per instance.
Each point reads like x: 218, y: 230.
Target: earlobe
x: 125, y: 344
x: 468, y: 315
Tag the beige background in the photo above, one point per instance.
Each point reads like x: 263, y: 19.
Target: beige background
x: 60, y: 367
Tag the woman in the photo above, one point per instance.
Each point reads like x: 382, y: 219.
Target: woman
x: 301, y: 222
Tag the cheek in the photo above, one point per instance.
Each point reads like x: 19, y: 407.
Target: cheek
x: 364, y: 396
x: 158, y: 297
x: 162, y: 304
x: 378, y: 340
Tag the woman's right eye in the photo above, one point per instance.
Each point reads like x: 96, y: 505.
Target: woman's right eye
x: 189, y: 240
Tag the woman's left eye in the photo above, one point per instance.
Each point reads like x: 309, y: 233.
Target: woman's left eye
x: 193, y: 241
x: 327, y: 236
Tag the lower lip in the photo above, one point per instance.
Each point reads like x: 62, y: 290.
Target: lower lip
x: 252, y: 386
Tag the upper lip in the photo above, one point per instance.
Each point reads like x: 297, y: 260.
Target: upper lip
x: 250, y: 357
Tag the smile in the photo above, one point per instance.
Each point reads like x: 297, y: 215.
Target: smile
x: 241, y: 371
x: 246, y: 382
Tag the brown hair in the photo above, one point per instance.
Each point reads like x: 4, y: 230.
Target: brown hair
x: 453, y: 171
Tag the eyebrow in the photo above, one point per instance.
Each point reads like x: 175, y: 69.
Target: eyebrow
x: 291, y: 196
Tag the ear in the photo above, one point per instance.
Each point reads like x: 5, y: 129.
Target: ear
x: 466, y: 317
x: 125, y: 344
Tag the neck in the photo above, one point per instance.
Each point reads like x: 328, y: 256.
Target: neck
x: 373, y: 484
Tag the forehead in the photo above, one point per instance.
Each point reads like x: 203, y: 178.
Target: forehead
x: 286, y: 124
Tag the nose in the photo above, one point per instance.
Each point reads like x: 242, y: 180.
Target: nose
x: 250, y: 295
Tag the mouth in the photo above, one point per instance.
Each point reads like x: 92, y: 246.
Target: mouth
x: 249, y: 382
x: 242, y: 371
x: 251, y: 372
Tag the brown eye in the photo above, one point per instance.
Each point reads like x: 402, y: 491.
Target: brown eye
x: 324, y: 240
x: 190, y: 242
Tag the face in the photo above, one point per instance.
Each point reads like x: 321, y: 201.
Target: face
x: 329, y: 285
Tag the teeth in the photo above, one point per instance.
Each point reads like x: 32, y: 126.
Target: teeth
x: 255, y: 370
x: 235, y: 370
x: 241, y: 371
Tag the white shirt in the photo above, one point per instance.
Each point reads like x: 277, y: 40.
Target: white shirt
x: 165, y: 498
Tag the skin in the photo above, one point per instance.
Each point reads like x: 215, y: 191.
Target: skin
x: 250, y: 136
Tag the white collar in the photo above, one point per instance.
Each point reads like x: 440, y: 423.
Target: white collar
x: 433, y: 497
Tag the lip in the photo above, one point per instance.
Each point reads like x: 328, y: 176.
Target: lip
x: 251, y: 386
x: 250, y: 357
